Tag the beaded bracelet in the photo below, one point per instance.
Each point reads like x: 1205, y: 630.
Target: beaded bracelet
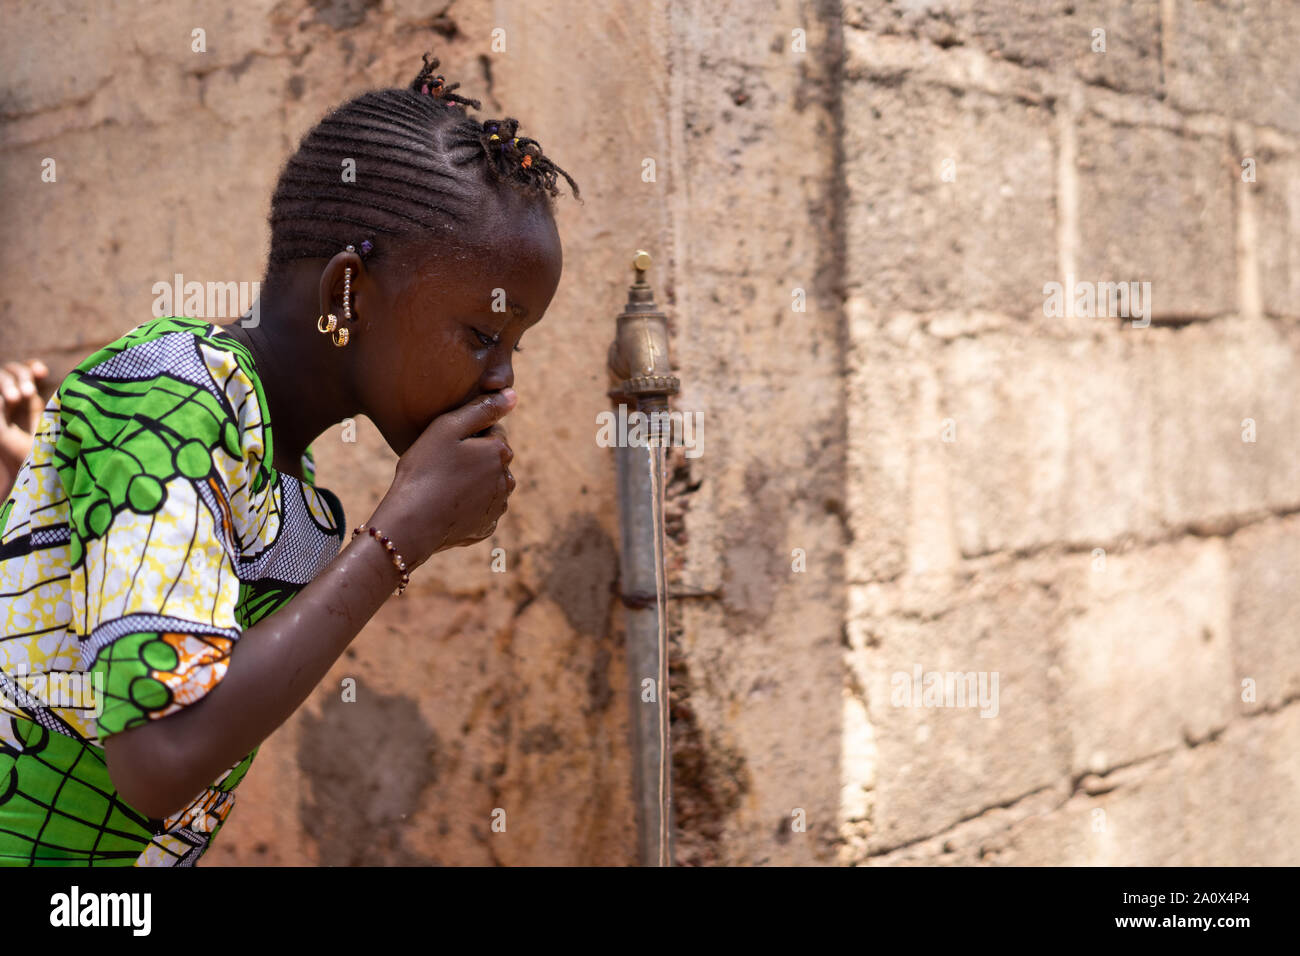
x: 392, y: 553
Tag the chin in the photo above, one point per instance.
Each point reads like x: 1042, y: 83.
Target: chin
x: 399, y: 442
x: 412, y: 432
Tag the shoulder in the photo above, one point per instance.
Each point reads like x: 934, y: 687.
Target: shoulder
x: 157, y: 425
x: 171, y: 388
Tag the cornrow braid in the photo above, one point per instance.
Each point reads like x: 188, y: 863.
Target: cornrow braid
x: 516, y: 159
x: 418, y: 160
x: 520, y: 159
x: 429, y: 85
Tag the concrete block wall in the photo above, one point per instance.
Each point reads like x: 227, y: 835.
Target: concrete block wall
x: 1099, y: 510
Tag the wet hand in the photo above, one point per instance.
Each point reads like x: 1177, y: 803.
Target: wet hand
x: 453, y: 484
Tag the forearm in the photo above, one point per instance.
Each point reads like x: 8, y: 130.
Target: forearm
x: 273, y: 668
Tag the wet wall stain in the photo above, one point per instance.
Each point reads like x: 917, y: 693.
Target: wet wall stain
x: 709, y: 778
x: 599, y: 691
x: 581, y: 576
x: 682, y: 484
x: 365, y: 765
x: 580, y: 571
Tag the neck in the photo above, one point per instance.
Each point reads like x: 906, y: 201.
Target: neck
x: 304, y: 390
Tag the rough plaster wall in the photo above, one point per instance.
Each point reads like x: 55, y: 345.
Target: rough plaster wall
x: 476, y: 690
x: 480, y: 690
x: 1123, y: 735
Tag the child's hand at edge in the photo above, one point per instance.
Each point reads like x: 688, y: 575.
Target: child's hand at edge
x: 21, y: 405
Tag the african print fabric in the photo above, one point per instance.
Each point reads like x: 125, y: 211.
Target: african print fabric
x: 145, y: 531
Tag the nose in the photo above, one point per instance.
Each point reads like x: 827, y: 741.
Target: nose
x: 499, y: 374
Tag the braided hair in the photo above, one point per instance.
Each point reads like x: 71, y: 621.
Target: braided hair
x: 418, y: 159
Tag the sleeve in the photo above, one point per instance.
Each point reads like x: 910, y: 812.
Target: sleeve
x: 154, y: 470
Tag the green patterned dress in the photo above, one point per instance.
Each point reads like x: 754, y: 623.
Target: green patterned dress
x: 145, y: 531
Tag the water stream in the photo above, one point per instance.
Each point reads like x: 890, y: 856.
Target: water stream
x: 655, y: 461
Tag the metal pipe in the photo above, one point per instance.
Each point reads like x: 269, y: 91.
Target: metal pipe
x: 641, y: 378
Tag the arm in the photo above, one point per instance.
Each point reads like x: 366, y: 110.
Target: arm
x: 159, y: 768
x: 449, y: 491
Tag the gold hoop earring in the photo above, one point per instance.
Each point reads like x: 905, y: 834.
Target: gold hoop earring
x: 341, y: 337
x: 333, y: 321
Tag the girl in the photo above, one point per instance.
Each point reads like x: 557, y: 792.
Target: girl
x: 168, y: 514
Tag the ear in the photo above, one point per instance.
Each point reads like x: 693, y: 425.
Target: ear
x: 339, y: 286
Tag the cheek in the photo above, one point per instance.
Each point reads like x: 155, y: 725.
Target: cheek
x: 435, y: 373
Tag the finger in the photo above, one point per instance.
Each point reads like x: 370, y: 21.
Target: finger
x: 39, y: 368
x: 22, y: 377
x: 507, y: 453
x: 31, y: 414
x: 483, y: 412
x: 8, y: 386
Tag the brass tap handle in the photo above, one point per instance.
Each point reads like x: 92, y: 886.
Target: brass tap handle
x: 639, y: 367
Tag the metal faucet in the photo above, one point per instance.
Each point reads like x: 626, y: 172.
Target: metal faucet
x: 641, y: 376
x: 640, y: 372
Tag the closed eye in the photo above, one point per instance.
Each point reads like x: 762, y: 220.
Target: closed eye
x: 488, y: 341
